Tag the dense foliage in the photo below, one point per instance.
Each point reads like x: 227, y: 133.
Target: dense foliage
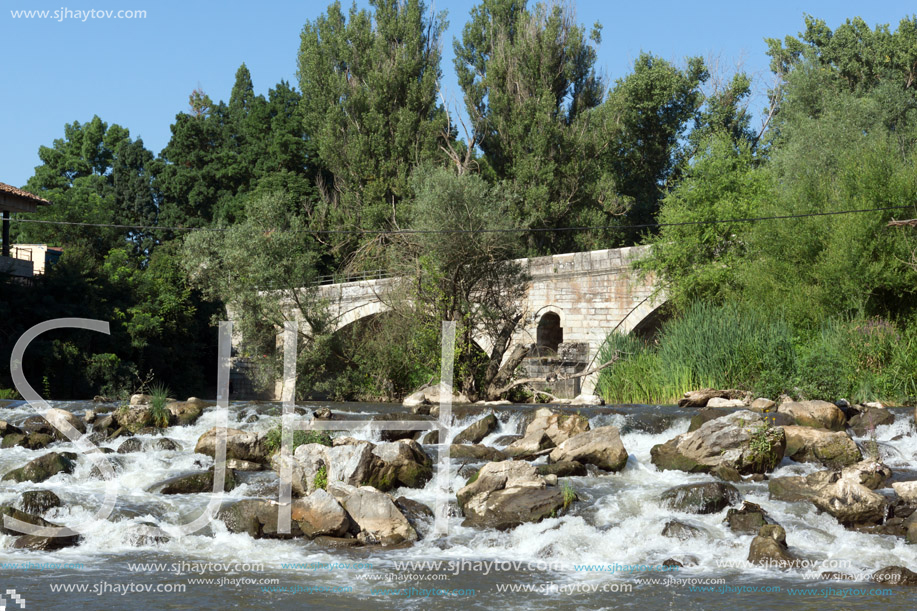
x: 842, y: 138
x: 256, y: 200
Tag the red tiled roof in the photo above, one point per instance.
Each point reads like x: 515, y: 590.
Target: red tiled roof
x: 10, y: 189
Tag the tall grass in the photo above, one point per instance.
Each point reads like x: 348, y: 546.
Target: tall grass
x: 738, y: 347
x: 729, y: 347
x: 863, y: 359
x: 159, y: 398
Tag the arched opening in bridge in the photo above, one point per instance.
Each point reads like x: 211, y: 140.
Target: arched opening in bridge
x: 550, y: 334
x: 648, y: 328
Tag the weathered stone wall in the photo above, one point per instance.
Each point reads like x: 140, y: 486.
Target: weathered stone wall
x: 592, y: 293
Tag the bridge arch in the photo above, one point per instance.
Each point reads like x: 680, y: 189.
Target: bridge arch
x: 370, y: 308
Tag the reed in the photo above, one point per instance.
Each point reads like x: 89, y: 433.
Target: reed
x: 730, y: 346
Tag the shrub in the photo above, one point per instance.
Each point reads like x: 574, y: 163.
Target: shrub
x: 321, y: 478
x: 569, y: 495
x: 159, y: 398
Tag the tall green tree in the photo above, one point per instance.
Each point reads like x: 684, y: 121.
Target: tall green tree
x: 220, y: 153
x: 530, y: 86
x: 94, y: 174
x: 841, y: 139
x: 369, y: 80
x: 652, y: 109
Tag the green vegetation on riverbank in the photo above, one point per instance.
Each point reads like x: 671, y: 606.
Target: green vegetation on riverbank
x: 812, y: 304
x: 729, y: 346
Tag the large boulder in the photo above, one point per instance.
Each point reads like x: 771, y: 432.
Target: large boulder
x: 850, y: 502
x: 741, y: 440
x: 477, y: 431
x: 59, y: 418
x: 475, y: 452
x: 415, y: 401
x: 868, y: 418
x: 871, y: 473
x: 749, y: 518
x: 530, y: 444
x: 699, y: 398
x: 800, y: 487
x: 674, y: 529
x: 433, y: 396
x: 43, y: 467
x: 37, y: 543
x: 22, y: 516
x: 197, y: 483
x: 34, y: 542
x: 701, y: 498
x: 506, y: 494
x: 769, y: 548
x: 32, y: 441
x: 241, y: 445
x: 548, y: 429
x: 140, y: 399
x: 722, y: 403
x: 895, y: 576
x: 375, y: 513
x: 317, y: 515
x: 403, y: 463
x: 134, y: 418
x: 907, y: 491
x: 587, y: 400
x: 832, y: 449
x: 8, y: 429
x: 601, y: 447
x: 130, y: 445
x: 816, y: 414
x: 557, y: 426
x: 185, y: 413
x: 351, y: 464
x: 384, y: 466
x: 38, y: 502
x: 562, y: 469
x: 762, y: 404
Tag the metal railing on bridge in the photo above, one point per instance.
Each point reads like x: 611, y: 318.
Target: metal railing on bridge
x: 329, y: 279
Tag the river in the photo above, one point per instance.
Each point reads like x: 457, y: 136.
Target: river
x: 618, y: 521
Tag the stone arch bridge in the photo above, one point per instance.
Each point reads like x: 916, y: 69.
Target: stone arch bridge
x: 572, y: 302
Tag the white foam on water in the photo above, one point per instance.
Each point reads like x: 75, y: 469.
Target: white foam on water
x: 621, y: 520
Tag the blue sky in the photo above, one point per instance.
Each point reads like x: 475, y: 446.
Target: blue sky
x: 138, y: 72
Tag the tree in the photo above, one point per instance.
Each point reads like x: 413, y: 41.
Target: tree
x: 261, y: 268
x: 651, y: 108
x: 370, y: 108
x: 465, y: 274
x: 695, y: 256
x: 842, y: 138
x: 94, y: 174
x: 530, y: 86
x: 219, y: 153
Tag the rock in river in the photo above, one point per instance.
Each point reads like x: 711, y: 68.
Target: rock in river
x: 506, y: 494
x: 741, y: 440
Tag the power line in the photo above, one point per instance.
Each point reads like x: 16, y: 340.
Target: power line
x: 511, y: 230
